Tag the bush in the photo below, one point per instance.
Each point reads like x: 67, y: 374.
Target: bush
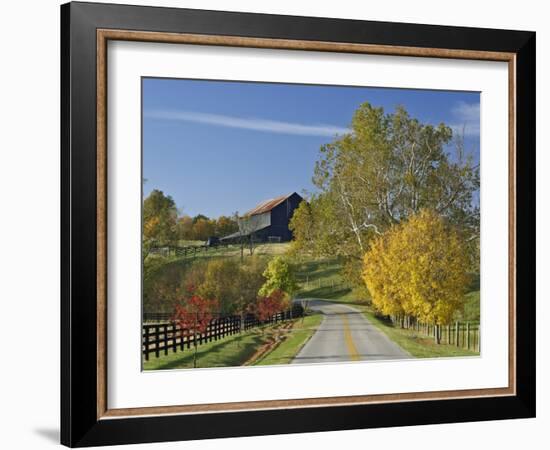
x: 233, y: 284
x: 279, y: 276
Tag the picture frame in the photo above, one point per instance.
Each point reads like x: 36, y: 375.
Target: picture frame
x: 86, y: 418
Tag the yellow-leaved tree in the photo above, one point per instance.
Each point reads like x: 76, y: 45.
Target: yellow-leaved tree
x: 418, y: 268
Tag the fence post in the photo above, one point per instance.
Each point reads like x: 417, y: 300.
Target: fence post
x: 165, y: 339
x: 468, y: 335
x: 157, y: 328
x: 174, y: 341
x: 146, y: 343
x: 457, y: 334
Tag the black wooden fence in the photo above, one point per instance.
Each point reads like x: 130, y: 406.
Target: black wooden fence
x: 157, y: 317
x: 189, y: 250
x: 162, y: 338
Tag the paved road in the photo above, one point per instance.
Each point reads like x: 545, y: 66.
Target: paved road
x: 346, y: 335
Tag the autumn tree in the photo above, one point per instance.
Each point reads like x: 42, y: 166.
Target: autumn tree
x: 249, y: 282
x: 225, y: 225
x: 233, y: 284
x: 267, y: 306
x: 418, y: 268
x: 219, y: 282
x: 193, y: 314
x: 203, y: 228
x: 184, y: 227
x: 159, y: 220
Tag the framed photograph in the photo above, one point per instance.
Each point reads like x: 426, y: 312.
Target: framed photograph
x: 276, y: 224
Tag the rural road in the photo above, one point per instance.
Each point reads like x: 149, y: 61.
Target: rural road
x: 346, y: 335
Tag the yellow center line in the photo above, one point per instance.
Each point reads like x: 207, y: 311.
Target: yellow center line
x: 352, y: 350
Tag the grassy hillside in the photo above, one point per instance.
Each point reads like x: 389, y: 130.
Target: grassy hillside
x: 321, y: 278
x: 169, y: 271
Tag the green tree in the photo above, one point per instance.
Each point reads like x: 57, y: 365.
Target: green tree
x: 301, y: 224
x: 199, y: 217
x: 315, y: 228
x: 279, y: 276
x: 225, y: 226
x: 388, y: 168
x: 159, y: 220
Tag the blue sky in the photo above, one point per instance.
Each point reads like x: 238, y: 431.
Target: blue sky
x: 218, y: 147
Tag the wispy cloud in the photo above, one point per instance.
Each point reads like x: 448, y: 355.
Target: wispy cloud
x: 466, y: 118
x: 249, y: 123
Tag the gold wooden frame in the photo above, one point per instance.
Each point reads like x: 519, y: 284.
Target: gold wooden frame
x: 103, y: 36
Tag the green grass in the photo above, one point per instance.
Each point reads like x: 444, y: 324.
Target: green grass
x: 185, y: 243
x: 294, y: 340
x: 261, y: 250
x: 416, y: 344
x: 321, y: 278
x: 272, y: 249
x: 471, y: 308
x: 238, y: 350
x: 268, y: 249
x: 231, y: 351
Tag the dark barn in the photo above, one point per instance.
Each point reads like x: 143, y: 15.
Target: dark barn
x: 268, y: 221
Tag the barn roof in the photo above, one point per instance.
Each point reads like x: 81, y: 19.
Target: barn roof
x: 268, y: 205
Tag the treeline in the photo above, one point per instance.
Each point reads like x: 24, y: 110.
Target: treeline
x: 163, y: 226
x: 234, y: 287
x: 200, y: 227
x: 396, y: 199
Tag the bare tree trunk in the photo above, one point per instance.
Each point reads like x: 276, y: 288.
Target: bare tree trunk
x: 251, y: 246
x: 348, y: 207
x: 242, y: 250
